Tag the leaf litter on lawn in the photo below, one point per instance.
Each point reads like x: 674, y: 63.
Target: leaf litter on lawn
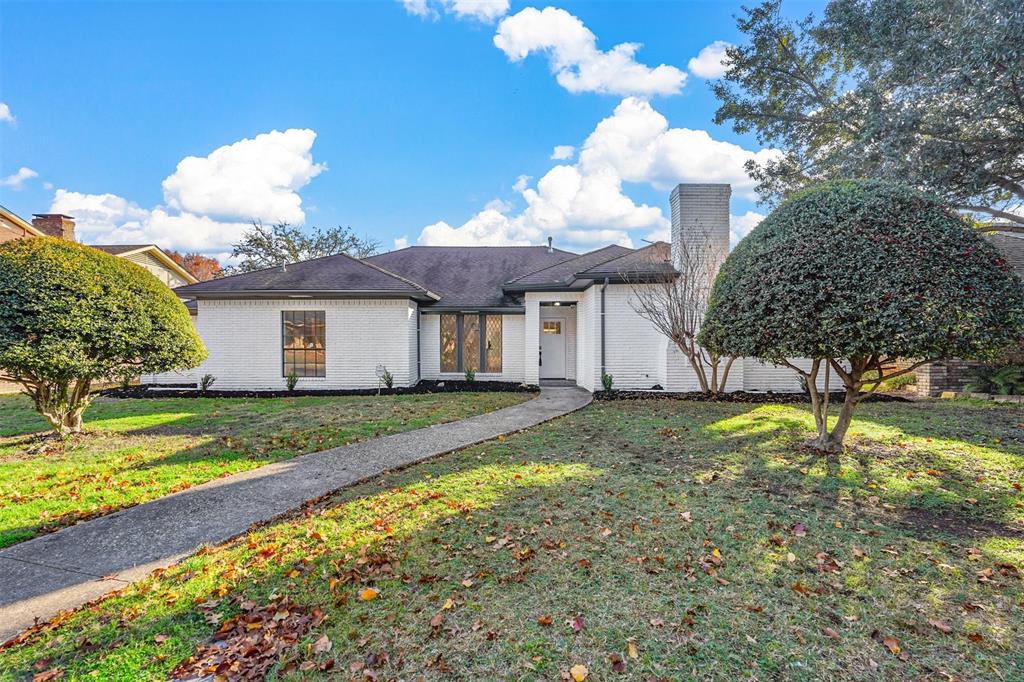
x: 248, y: 645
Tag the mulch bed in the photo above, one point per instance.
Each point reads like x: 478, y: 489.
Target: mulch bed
x: 423, y: 387
x: 739, y: 397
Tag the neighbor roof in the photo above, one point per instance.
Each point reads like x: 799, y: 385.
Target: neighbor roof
x: 118, y: 249
x: 125, y: 250
x: 330, y: 275
x: 469, y: 277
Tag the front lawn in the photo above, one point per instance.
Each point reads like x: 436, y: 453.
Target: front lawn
x: 636, y: 540
x: 137, y: 450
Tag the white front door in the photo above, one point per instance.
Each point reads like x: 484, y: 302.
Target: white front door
x: 552, y: 348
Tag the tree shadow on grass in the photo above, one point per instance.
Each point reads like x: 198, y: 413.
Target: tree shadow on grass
x: 545, y: 498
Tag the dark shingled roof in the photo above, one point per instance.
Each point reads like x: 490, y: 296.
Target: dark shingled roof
x: 469, y: 277
x: 337, y: 274
x: 655, y: 259
x: 1012, y: 248
x: 562, y: 273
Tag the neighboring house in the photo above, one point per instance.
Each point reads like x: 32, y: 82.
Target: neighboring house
x: 151, y: 257
x: 12, y: 227
x: 61, y: 226
x: 522, y: 314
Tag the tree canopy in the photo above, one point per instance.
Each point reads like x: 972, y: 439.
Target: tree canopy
x: 928, y: 92
x: 202, y: 267
x: 865, y: 271
x: 262, y: 247
x: 73, y: 315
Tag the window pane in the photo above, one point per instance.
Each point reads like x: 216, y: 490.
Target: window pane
x: 448, y: 341
x: 553, y: 327
x: 493, y: 343
x: 471, y: 342
x: 304, y: 337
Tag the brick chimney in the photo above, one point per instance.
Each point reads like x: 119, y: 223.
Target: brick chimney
x: 55, y: 225
x: 701, y: 209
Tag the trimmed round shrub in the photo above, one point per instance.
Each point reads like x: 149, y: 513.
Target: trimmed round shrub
x: 73, y: 315
x: 865, y: 271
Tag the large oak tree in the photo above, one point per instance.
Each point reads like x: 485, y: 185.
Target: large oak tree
x: 928, y: 92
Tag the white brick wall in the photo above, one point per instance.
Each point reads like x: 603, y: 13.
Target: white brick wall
x: 587, y: 337
x: 243, y: 338
x: 700, y: 208
x: 512, y: 327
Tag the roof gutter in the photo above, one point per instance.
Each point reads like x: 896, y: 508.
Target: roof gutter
x: 603, y: 287
x: 189, y: 292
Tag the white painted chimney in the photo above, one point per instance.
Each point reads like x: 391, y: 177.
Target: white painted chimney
x: 700, y: 209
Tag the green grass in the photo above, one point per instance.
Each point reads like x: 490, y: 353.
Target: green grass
x: 138, y: 450
x: 703, y: 535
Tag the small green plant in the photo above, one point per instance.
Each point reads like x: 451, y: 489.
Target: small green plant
x: 899, y: 383
x: 607, y: 380
x: 1001, y: 380
x: 206, y: 381
x: 470, y: 375
x: 388, y: 379
x: 291, y: 380
x: 126, y: 382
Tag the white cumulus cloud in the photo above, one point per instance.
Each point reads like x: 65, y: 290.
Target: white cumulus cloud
x: 209, y: 202
x: 576, y: 61
x: 5, y: 113
x: 251, y: 178
x: 741, y: 225
x: 638, y: 143
x: 562, y: 152
x: 584, y: 204
x: 486, y: 11
x: 711, y: 62
x: 17, y: 180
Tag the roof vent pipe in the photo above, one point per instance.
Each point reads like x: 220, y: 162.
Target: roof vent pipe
x: 551, y: 249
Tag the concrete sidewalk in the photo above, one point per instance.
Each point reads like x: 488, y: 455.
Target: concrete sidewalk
x: 75, y: 565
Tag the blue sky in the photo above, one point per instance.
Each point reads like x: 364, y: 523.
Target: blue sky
x: 423, y: 121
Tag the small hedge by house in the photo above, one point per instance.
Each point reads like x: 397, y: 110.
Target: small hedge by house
x: 423, y: 387
x: 736, y: 397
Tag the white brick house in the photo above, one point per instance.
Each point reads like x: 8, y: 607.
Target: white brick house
x: 522, y: 314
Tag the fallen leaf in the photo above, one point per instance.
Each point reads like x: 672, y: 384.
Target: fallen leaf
x: 544, y: 620
x: 975, y: 637
x: 322, y: 645
x: 579, y: 672
x: 437, y: 620
x: 161, y: 638
x: 369, y: 594
x: 576, y: 623
x: 631, y: 649
x: 799, y: 529
x: 892, y: 644
x: 618, y: 665
x: 829, y: 632
x: 940, y: 626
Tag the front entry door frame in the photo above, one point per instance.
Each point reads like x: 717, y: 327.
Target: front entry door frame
x: 550, y: 349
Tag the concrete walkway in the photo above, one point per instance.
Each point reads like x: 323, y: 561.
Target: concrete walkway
x: 75, y: 565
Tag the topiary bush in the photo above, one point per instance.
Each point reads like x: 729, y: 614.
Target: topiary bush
x: 73, y: 315
x: 853, y: 274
